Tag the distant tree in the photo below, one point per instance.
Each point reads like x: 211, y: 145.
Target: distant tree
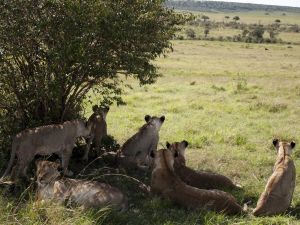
x: 257, y: 34
x: 267, y: 13
x: 277, y: 21
x: 236, y: 18
x: 205, y: 18
x: 284, y: 14
x: 245, y: 33
x: 273, y: 33
x: 273, y: 30
x: 206, y: 31
x: 190, y: 33
x: 227, y: 18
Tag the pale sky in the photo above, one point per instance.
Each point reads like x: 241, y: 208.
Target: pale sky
x: 295, y: 3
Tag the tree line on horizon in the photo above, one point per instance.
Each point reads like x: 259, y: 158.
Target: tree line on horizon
x: 226, y: 6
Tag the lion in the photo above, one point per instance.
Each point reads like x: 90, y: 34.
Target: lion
x: 135, y: 152
x: 279, y: 190
x: 89, y: 194
x: 99, y: 128
x: 165, y: 182
x: 198, y: 179
x: 45, y: 140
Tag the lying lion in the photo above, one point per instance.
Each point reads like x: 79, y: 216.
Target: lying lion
x: 198, y: 179
x: 165, y: 182
x: 279, y: 190
x: 80, y: 192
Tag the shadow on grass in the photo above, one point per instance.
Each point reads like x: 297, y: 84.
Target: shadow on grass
x: 294, y: 211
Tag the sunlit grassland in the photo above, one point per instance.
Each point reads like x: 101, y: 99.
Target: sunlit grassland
x: 256, y: 17
x: 228, y: 100
x: 259, y: 17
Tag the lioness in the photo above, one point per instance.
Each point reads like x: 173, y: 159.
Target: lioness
x: 135, y: 152
x: 81, y: 192
x: 99, y: 128
x: 45, y: 140
x: 165, y: 182
x: 279, y: 190
x: 199, y: 179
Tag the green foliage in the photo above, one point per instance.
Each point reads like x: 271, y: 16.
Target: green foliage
x: 236, y: 18
x: 206, y: 30
x: 54, y: 52
x: 257, y: 34
x: 205, y: 18
x: 190, y: 33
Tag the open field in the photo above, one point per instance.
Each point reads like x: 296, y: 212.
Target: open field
x: 256, y: 17
x: 259, y: 17
x: 229, y: 100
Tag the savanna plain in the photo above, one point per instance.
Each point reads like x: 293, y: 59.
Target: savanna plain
x: 228, y: 100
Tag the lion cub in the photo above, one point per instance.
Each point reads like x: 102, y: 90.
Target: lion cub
x: 135, y: 152
x: 278, y: 192
x: 165, y: 182
x: 199, y: 179
x: 99, y: 128
x: 85, y: 193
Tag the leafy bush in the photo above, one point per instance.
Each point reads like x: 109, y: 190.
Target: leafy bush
x: 190, y: 33
x: 55, y: 52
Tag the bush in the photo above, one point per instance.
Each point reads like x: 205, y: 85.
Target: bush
x: 55, y: 52
x: 190, y: 33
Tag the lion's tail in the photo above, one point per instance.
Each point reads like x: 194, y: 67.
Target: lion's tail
x: 15, y: 147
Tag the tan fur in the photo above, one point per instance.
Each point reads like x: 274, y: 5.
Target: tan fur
x: 45, y: 140
x: 198, y: 179
x: 135, y: 152
x: 165, y: 182
x: 99, y: 128
x: 278, y: 192
x: 74, y: 191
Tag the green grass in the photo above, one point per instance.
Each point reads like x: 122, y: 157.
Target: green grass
x: 229, y: 100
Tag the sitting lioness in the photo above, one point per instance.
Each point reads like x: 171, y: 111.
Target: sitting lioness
x: 80, y: 192
x: 99, y: 128
x: 279, y: 190
x: 45, y: 140
x: 165, y: 182
x: 199, y: 179
x: 135, y: 152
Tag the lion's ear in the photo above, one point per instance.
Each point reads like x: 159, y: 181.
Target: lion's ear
x: 152, y: 154
x: 185, y: 143
x: 275, y: 142
x: 176, y: 154
x: 293, y: 144
x: 168, y: 144
x: 95, y: 108
x: 147, y: 118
